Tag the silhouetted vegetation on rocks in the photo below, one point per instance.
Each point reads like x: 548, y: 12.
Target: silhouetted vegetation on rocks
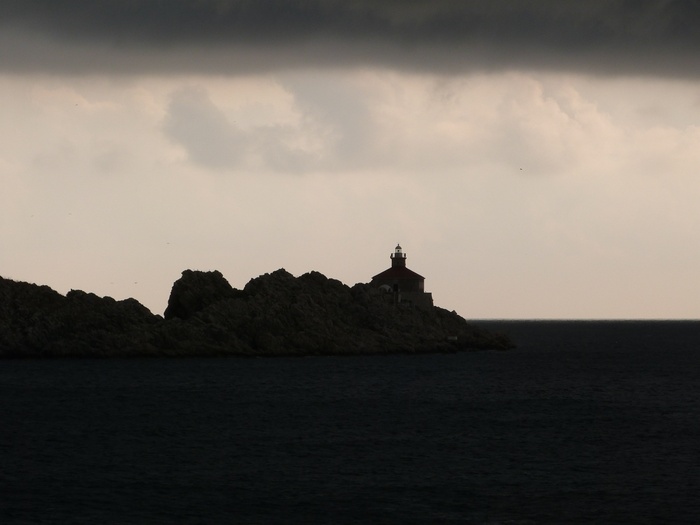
x: 275, y: 314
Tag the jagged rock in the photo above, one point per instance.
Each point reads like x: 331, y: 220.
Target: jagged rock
x: 194, y: 291
x: 37, y: 321
x: 275, y: 314
x: 278, y: 314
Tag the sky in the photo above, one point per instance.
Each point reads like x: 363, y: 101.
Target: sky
x: 534, y: 159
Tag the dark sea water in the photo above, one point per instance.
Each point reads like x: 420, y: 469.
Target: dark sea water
x: 585, y: 422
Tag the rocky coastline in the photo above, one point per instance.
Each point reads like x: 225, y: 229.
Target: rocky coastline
x: 275, y: 314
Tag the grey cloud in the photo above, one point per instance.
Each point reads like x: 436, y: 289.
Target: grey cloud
x: 203, y: 130
x: 212, y: 140
x: 340, y: 110
x: 604, y: 36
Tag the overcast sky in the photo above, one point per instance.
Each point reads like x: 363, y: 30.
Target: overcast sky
x: 535, y: 159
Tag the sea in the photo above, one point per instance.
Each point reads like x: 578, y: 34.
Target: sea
x: 594, y: 422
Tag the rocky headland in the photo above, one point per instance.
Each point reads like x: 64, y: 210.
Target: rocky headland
x: 275, y: 314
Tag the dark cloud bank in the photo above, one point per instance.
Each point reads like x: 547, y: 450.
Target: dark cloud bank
x: 657, y: 37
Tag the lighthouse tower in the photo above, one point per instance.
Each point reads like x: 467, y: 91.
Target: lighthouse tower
x: 398, y: 258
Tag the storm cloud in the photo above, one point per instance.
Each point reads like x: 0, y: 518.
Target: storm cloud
x: 649, y: 37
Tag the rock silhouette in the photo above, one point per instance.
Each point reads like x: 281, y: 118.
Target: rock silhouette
x: 36, y: 321
x: 275, y: 314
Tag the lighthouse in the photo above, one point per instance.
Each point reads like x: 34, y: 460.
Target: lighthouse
x: 406, y: 285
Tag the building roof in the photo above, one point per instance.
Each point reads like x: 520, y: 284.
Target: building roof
x: 397, y: 272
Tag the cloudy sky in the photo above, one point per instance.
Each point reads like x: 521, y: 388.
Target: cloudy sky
x: 535, y: 159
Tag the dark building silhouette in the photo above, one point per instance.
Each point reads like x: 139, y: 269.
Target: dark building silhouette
x: 406, y: 285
